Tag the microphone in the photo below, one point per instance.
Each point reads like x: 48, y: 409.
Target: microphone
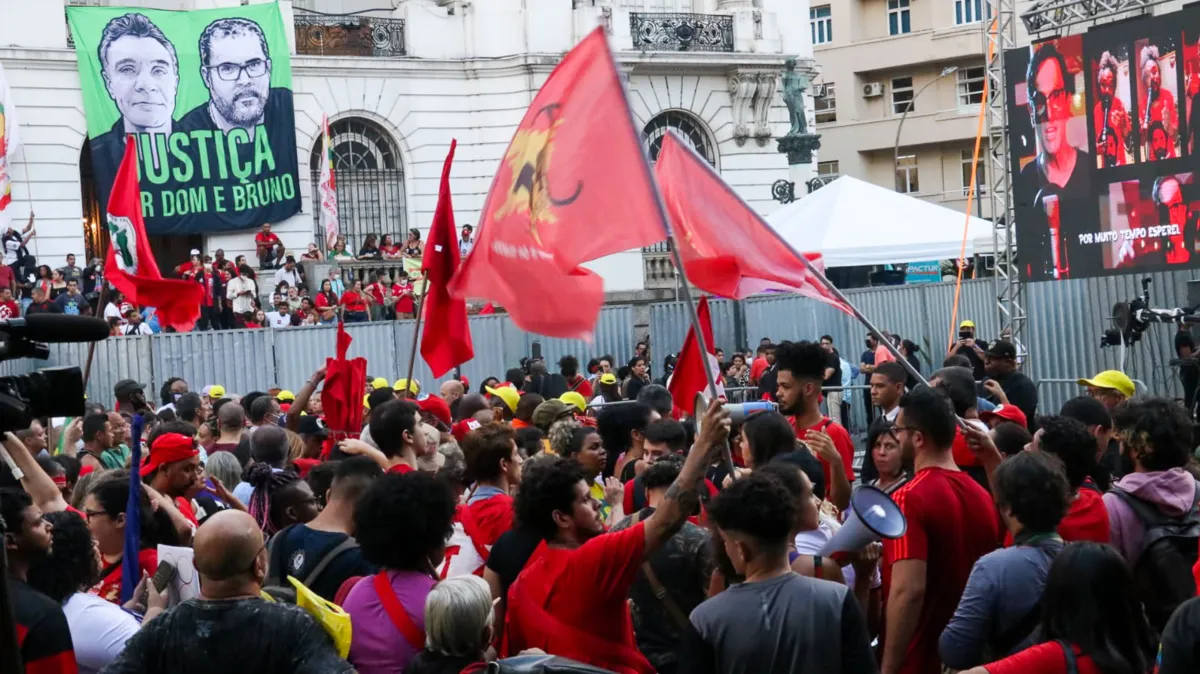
x: 1150, y: 96
x: 56, y: 328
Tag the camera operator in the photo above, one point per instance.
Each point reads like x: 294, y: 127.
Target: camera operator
x: 131, y: 397
x: 970, y: 348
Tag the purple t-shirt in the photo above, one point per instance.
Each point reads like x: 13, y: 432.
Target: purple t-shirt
x: 376, y: 646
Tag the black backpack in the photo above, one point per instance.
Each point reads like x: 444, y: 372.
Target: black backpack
x: 276, y: 585
x: 1162, y: 575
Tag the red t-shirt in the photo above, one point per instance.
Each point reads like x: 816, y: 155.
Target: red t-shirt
x: 109, y: 587
x: 952, y: 522
x: 492, y: 517
x: 581, y: 386
x: 263, y: 240
x: 841, y: 440
x: 401, y: 468
x: 185, y: 508
x: 322, y: 301
x: 757, y: 368
x: 588, y: 591
x: 353, y: 301
x: 1086, y: 519
x: 378, y: 291
x: 7, y: 278
x: 1047, y: 658
x: 10, y: 309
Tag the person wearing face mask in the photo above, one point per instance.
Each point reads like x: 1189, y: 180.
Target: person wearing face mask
x: 227, y: 626
x: 401, y: 524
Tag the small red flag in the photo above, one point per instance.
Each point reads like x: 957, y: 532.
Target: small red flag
x: 129, y: 264
x: 446, y: 340
x: 727, y: 248
x: 573, y: 186
x: 688, y: 379
x: 488, y: 309
x: 342, y: 393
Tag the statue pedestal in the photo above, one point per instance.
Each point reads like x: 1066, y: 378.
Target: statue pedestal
x: 799, y: 148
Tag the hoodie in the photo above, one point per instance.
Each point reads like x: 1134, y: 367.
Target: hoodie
x: 1171, y: 490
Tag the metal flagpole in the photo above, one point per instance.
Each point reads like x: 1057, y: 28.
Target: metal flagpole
x: 412, y: 354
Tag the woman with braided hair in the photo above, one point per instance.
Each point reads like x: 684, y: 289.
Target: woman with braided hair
x: 280, y: 498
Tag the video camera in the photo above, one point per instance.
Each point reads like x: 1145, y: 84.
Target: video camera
x: 49, y: 392
x: 1131, y: 319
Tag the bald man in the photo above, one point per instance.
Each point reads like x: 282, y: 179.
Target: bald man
x: 230, y: 627
x: 452, y: 392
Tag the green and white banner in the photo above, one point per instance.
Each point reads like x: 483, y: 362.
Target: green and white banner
x: 208, y: 97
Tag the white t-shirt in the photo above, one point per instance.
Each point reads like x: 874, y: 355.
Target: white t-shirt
x: 141, y: 329
x: 278, y: 320
x: 811, y: 543
x: 11, y: 246
x: 99, y: 630
x: 239, y: 285
x: 292, y: 277
x: 114, y: 311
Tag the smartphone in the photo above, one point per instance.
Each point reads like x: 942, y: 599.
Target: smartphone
x: 163, y: 575
x: 964, y: 334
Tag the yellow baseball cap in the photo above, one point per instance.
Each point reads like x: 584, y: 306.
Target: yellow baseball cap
x: 574, y: 398
x: 401, y: 384
x: 966, y: 324
x: 216, y: 391
x: 367, y: 401
x: 379, y: 382
x: 506, y: 393
x: 285, y: 396
x: 608, y: 378
x: 1111, y: 379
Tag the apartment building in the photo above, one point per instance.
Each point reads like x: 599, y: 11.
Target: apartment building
x: 877, y: 58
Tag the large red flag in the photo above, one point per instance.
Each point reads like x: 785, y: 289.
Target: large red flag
x: 446, y: 341
x: 129, y: 264
x: 341, y: 395
x: 689, y: 378
x: 727, y: 248
x: 573, y: 186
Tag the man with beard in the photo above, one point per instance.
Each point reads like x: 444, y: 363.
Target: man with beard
x: 141, y: 74
x: 1160, y: 143
x: 1167, y: 193
x: 1111, y: 117
x: 952, y: 522
x: 173, y: 469
x: 1160, y: 103
x: 572, y: 597
x: 43, y: 636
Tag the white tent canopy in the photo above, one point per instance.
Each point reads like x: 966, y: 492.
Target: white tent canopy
x: 852, y: 222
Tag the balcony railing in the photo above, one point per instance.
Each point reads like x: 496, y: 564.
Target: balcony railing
x: 681, y: 32
x: 348, y: 35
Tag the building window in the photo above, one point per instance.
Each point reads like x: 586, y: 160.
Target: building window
x: 821, y: 20
x: 902, y: 95
x: 898, y: 17
x: 970, y: 86
x: 970, y: 11
x: 693, y: 131
x: 827, y: 169
x: 826, y: 106
x: 967, y: 160
x: 906, y: 174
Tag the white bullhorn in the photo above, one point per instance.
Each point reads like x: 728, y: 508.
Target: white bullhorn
x: 873, y: 516
x: 738, y: 412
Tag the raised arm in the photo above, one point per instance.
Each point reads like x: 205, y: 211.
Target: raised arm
x: 36, y: 482
x: 682, y: 497
x: 301, y: 402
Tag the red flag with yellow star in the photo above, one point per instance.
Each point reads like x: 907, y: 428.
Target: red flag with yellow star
x: 573, y: 186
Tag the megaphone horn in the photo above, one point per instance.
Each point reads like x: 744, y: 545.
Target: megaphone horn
x: 738, y: 412
x: 873, y: 516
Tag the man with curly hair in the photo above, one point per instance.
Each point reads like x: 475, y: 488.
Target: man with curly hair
x: 494, y: 465
x: 1159, y: 104
x: 1112, y: 119
x: 572, y: 597
x: 777, y: 621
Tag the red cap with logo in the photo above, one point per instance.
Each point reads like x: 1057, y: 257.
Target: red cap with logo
x: 1007, y: 413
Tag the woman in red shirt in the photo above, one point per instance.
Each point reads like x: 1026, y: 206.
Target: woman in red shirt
x: 355, y: 301
x: 1089, y: 606
x: 104, y: 509
x: 256, y: 320
x: 379, y: 293
x: 389, y: 248
x: 327, y: 303
x: 402, y: 292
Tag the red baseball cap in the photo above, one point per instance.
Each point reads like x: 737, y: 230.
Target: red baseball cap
x: 436, y: 406
x: 460, y: 430
x: 1006, y: 413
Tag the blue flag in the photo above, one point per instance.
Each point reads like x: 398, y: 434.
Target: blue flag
x: 131, y: 572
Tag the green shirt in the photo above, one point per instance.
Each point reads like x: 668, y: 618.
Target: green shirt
x: 116, y: 457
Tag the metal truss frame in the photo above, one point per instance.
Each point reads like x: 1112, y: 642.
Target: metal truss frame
x: 1009, y: 290
x: 1051, y: 16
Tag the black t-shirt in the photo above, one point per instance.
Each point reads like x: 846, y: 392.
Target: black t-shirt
x: 42, y: 632
x: 1022, y: 392
x: 767, y: 382
x: 833, y: 360
x: 1077, y: 214
x: 510, y: 553
x: 974, y: 357
x: 46, y: 307
x: 1180, y: 652
x: 1183, y: 338
x: 202, y: 636
x: 302, y: 548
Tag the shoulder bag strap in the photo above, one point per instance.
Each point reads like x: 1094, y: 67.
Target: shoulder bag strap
x: 818, y: 568
x: 348, y: 544
x: 275, y: 573
x: 664, y: 597
x: 414, y: 635
x: 1069, y: 654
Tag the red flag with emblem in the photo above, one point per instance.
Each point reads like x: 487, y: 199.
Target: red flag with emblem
x: 688, y: 379
x: 446, y: 340
x: 573, y: 186
x: 727, y: 248
x: 129, y: 265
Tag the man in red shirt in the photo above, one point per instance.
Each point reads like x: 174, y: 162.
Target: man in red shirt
x: 569, y: 366
x: 8, y: 306
x: 572, y: 597
x: 173, y: 469
x: 493, y: 460
x: 1070, y: 441
x: 952, y: 522
x: 268, y: 247
x: 395, y: 430
x: 800, y: 370
x: 760, y: 363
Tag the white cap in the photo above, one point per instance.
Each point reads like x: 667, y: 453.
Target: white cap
x: 194, y: 252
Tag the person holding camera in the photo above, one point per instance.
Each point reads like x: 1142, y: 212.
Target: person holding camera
x: 971, y: 348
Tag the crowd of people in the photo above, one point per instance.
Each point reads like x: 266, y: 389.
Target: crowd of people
x: 273, y: 292
x: 579, y: 516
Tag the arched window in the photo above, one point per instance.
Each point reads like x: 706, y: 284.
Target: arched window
x: 370, y: 182
x: 686, y: 125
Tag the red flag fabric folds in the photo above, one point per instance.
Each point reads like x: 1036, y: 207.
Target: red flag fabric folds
x: 573, y: 186
x: 446, y: 340
x: 727, y: 248
x: 342, y: 394
x: 689, y: 378
x: 129, y: 264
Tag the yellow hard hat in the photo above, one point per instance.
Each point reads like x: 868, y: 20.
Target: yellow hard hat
x: 285, y: 396
x: 574, y: 398
x: 506, y: 393
x: 379, y: 382
x: 401, y: 384
x: 216, y: 392
x: 966, y: 324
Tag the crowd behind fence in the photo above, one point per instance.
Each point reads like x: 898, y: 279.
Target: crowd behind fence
x: 1066, y: 319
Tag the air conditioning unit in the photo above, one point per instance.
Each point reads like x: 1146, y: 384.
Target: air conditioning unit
x: 820, y: 91
x: 872, y: 89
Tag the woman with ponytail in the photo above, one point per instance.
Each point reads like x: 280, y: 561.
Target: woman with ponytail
x: 280, y: 498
